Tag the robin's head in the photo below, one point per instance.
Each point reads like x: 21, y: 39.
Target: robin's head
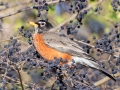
x: 41, y: 26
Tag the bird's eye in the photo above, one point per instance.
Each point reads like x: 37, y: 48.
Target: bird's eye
x: 42, y: 24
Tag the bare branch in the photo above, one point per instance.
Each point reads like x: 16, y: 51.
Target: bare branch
x: 10, y: 40
x: 15, y: 5
x: 18, y: 11
x: 104, y: 80
x: 84, y: 43
x: 53, y: 2
x: 20, y: 79
x: 118, y: 88
x: 74, y: 15
x: 24, y: 9
x: 13, y: 80
x: 13, y: 37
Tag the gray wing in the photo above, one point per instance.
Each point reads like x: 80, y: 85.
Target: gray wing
x: 64, y: 44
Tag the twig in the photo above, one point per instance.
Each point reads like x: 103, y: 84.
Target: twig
x: 13, y: 37
x: 15, y: 5
x: 53, y: 2
x: 84, y: 43
x: 53, y: 85
x: 102, y: 81
x: 118, y: 88
x: 109, y: 57
x: 10, y: 40
x: 13, y: 80
x: 92, y: 46
x: 24, y: 9
x: 5, y: 74
x: 86, y: 85
x: 20, y: 79
x: 74, y: 15
x: 18, y: 11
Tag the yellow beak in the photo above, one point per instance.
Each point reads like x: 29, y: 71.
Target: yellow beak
x: 58, y: 30
x: 32, y: 23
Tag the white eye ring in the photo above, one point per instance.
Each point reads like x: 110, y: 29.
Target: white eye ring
x: 42, y: 24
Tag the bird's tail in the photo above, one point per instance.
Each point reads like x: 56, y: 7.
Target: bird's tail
x: 107, y: 74
x: 92, y: 64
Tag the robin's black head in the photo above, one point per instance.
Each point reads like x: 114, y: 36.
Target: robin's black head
x: 41, y: 26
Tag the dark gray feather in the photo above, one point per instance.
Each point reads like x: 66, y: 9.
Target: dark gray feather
x: 64, y: 44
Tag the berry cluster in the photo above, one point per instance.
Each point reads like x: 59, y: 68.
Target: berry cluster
x: 41, y: 5
x: 78, y: 6
x: 115, y: 4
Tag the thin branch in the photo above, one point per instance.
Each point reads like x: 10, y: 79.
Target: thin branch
x: 13, y: 37
x: 15, y: 5
x: 17, y: 70
x: 118, y: 88
x: 53, y: 2
x: 10, y: 40
x: 109, y: 57
x: 13, y: 80
x: 25, y: 9
x: 20, y: 79
x: 86, y: 85
x: 18, y: 11
x: 5, y: 74
x: 74, y: 15
x: 84, y: 43
x: 102, y: 81
x: 92, y: 46
x: 53, y: 85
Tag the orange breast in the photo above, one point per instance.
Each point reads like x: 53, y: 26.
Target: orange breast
x: 47, y: 52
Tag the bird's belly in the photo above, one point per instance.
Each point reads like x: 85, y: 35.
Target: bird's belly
x: 47, y: 52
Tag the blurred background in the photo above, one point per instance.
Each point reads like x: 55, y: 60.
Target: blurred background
x: 95, y: 23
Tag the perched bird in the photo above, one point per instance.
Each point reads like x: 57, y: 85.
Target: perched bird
x: 51, y: 44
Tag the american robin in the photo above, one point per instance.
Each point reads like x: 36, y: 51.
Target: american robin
x: 51, y: 44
